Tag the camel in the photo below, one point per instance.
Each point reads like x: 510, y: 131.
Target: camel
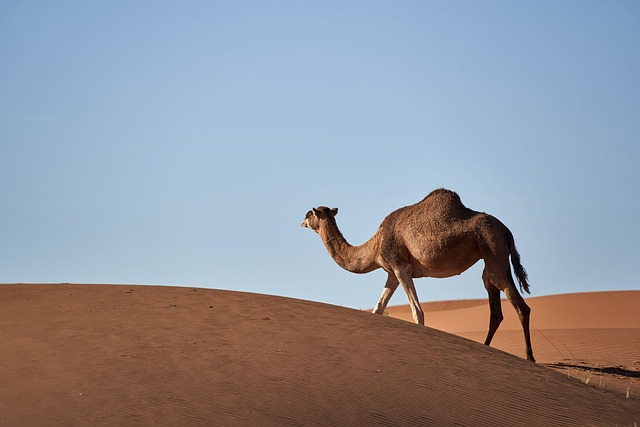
x: 437, y: 237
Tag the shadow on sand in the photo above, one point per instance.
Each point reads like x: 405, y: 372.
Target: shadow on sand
x: 610, y: 370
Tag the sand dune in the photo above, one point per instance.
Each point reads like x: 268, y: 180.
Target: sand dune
x: 147, y: 355
x: 588, y: 335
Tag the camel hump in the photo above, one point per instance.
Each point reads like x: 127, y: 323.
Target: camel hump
x: 444, y: 202
x: 443, y: 196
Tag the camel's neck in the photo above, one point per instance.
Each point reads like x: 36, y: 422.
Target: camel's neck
x: 356, y: 259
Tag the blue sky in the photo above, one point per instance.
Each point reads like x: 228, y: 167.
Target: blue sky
x: 182, y: 143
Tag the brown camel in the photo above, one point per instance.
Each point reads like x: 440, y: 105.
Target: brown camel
x: 438, y: 237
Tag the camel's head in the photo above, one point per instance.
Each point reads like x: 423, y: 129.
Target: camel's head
x: 316, y: 215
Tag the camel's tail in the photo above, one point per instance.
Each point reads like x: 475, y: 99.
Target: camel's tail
x: 521, y: 273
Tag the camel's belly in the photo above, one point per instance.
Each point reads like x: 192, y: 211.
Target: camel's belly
x: 444, y: 261
x: 441, y: 270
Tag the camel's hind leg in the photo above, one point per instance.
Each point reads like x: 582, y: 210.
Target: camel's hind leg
x: 503, y: 280
x: 523, y: 311
x: 495, y: 305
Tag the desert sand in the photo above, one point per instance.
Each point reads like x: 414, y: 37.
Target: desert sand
x: 592, y: 336
x: 122, y: 355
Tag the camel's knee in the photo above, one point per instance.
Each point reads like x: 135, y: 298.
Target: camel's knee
x: 524, y: 311
x: 518, y: 302
x: 496, y: 318
x: 495, y: 307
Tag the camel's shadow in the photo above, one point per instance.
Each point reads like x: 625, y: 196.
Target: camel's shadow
x: 609, y: 370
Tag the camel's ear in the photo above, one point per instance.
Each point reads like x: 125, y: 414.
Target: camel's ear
x: 315, y: 211
x: 334, y: 211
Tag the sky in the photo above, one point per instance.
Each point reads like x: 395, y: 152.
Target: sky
x: 182, y: 143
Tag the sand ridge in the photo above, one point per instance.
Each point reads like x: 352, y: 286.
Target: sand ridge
x: 152, y: 355
x: 587, y: 310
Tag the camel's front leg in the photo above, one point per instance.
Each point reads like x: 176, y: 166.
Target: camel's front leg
x: 404, y: 275
x: 389, y: 288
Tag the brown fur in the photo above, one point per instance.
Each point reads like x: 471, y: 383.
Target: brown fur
x: 437, y: 237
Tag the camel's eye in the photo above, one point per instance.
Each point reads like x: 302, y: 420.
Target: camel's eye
x: 308, y: 214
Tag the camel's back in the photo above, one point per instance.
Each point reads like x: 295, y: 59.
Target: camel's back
x: 441, y: 211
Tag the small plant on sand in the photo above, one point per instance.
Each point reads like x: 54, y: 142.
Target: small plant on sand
x: 587, y: 376
x: 627, y: 389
